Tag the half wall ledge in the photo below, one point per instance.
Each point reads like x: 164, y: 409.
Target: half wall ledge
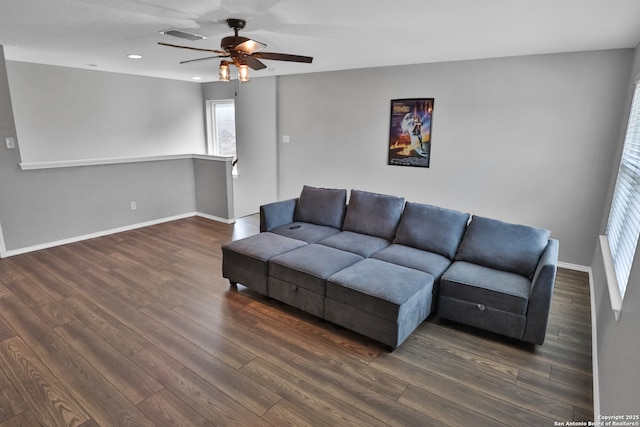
x: 117, y: 160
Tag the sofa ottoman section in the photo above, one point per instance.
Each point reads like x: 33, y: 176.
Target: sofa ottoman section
x: 380, y: 300
x: 246, y: 261
x: 298, y: 278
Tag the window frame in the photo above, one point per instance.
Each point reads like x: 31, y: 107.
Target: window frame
x: 623, y: 221
x: 212, y: 135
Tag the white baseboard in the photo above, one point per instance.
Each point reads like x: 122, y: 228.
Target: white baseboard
x: 216, y: 218
x: 8, y: 253
x: 575, y: 267
x: 594, y: 351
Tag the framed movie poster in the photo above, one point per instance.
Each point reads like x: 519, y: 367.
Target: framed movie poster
x: 410, y: 132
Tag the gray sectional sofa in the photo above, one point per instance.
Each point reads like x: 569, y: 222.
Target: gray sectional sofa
x: 380, y: 266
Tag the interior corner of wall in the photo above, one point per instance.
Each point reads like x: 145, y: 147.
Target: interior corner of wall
x: 3, y: 248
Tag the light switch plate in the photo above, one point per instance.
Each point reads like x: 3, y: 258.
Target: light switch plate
x: 11, y: 143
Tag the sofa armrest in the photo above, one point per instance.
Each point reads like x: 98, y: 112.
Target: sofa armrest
x: 275, y: 214
x: 540, y: 295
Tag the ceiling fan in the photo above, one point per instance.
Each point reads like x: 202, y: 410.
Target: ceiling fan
x: 243, y: 52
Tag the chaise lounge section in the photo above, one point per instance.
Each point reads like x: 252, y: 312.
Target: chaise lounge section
x: 502, y: 279
x: 380, y: 266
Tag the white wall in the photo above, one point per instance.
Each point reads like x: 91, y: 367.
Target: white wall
x: 524, y: 139
x: 72, y: 114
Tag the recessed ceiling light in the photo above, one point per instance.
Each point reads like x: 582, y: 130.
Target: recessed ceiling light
x: 196, y: 78
x: 134, y: 56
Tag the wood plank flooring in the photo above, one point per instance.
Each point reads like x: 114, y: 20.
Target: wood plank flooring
x: 139, y: 328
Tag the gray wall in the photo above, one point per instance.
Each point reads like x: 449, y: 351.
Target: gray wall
x: 256, y: 135
x: 256, y: 140
x: 56, y: 204
x: 38, y: 207
x: 214, y: 188
x: 9, y: 159
x: 618, y: 343
x: 524, y: 139
x: 71, y: 114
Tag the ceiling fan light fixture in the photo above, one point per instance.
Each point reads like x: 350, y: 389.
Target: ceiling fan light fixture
x: 243, y: 73
x: 241, y: 51
x: 223, y: 73
x: 250, y: 46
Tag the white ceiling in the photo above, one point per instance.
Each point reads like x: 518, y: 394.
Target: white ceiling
x: 339, y: 34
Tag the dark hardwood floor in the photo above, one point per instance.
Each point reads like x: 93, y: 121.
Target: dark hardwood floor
x: 139, y: 328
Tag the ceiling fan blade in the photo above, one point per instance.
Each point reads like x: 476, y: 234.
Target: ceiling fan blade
x: 253, y: 62
x: 193, y: 48
x: 283, y: 57
x: 204, y: 59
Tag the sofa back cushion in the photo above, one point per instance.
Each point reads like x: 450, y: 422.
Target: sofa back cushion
x: 431, y: 228
x: 503, y: 246
x: 321, y: 206
x: 373, y: 214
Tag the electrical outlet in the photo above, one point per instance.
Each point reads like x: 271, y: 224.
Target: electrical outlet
x: 134, y: 206
x: 286, y: 139
x: 11, y: 143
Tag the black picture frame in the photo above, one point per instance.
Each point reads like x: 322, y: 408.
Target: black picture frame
x: 410, y: 128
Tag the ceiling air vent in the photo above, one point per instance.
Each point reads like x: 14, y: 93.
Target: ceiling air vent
x: 182, y: 34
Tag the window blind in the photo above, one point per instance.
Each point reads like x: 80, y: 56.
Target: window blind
x: 623, y: 227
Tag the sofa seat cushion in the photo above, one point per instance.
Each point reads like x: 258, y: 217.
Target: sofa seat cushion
x: 246, y: 261
x: 496, y: 244
x: 379, y: 288
x: 305, y: 231
x: 309, y: 266
x: 431, y: 228
x: 361, y: 244
x: 485, y: 286
x: 373, y: 214
x: 429, y: 262
x: 321, y: 206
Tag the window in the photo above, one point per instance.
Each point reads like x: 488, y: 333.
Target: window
x: 623, y: 227
x: 221, y: 120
